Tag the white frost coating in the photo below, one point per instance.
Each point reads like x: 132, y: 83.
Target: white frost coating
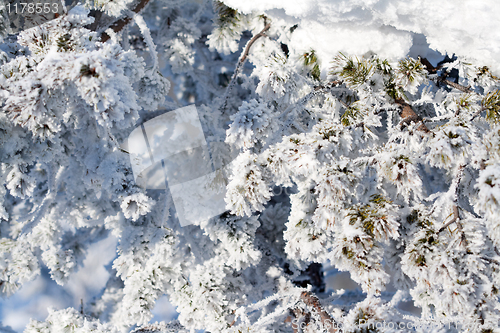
x: 171, y: 148
x: 167, y: 135
x: 139, y: 20
x: 325, y: 171
x: 467, y: 28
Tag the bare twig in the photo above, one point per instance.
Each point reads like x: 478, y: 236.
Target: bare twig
x: 442, y: 79
x: 409, y: 115
x: 328, y: 322
x: 456, y: 219
x: 454, y: 187
x: 344, y: 104
x: 452, y: 84
x: 97, y: 17
x: 462, y: 234
x: 431, y: 69
x: 329, y: 86
x: 250, y: 43
x: 459, y: 177
x: 453, y: 220
x: 389, y: 109
x: 241, y: 62
x: 496, y: 262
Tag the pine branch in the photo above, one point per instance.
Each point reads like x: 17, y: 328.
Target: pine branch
x: 453, y: 220
x: 409, y: 115
x: 478, y: 112
x: 117, y: 26
x: 431, y: 69
x: 456, y: 216
x: 496, y: 262
x: 457, y: 86
x: 317, y: 90
x: 311, y: 300
x: 442, y: 79
x: 53, y: 185
x: 328, y: 322
x: 242, y: 60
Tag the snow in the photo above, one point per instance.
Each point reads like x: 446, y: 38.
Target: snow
x: 369, y: 188
x: 388, y: 27
x: 35, y: 297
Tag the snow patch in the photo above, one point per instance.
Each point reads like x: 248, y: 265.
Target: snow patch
x: 387, y: 27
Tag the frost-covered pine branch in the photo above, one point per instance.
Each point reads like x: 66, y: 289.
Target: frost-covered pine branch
x: 384, y: 167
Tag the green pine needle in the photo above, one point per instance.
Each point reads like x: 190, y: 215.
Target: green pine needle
x: 311, y: 60
x: 355, y: 72
x: 491, y: 103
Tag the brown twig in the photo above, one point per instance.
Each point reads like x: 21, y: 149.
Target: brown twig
x: 453, y: 84
x: 96, y: 14
x: 327, y: 86
x: 289, y: 319
x: 442, y: 79
x: 242, y: 60
x: 117, y: 26
x: 389, y: 109
x: 453, y: 220
x: 462, y: 235
x: 254, y: 38
x: 328, y: 322
x: 431, y: 69
x: 456, y: 219
x: 299, y: 313
x: 409, y: 115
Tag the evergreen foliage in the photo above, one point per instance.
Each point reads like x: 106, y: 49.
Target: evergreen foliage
x: 390, y: 171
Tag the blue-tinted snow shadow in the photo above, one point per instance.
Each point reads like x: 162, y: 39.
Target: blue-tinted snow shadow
x: 34, y: 298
